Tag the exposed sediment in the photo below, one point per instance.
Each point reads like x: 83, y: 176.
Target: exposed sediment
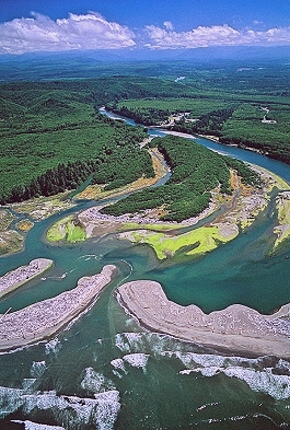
x: 237, y: 328
x: 15, y: 278
x: 41, y: 320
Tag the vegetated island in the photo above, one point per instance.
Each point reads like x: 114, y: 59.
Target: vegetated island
x: 237, y: 328
x: 202, y: 183
x: 15, y: 278
x: 42, y: 320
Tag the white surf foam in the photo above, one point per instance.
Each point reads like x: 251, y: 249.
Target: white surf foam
x: 28, y: 383
x: 53, y: 346
x: 37, y: 369
x: 265, y: 374
x: 107, y: 409
x: 257, y: 376
x: 68, y: 411
x: 94, y: 382
x: 138, y: 360
x: 277, y: 386
x: 29, y: 425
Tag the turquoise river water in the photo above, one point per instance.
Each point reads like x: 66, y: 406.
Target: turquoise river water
x: 105, y: 372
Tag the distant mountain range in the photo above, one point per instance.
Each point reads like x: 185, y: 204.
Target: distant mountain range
x: 88, y: 64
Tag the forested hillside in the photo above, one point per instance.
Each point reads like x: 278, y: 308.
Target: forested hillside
x: 52, y: 136
x: 244, y: 106
x: 195, y: 171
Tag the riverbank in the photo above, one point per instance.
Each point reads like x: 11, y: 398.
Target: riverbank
x: 20, y: 276
x: 97, y: 192
x: 236, y: 329
x: 233, y: 214
x: 42, y: 320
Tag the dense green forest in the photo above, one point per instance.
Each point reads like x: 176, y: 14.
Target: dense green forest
x: 224, y: 100
x: 148, y: 116
x: 53, y: 128
x: 50, y: 129
x: 52, y: 137
x: 195, y: 171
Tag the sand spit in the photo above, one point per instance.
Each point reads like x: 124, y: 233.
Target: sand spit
x: 41, y: 320
x: 14, y: 279
x: 237, y: 328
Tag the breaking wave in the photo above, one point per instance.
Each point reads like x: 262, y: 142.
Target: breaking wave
x: 53, y: 346
x: 267, y: 375
x: 137, y: 359
x: 70, y: 412
x: 29, y: 425
x: 261, y: 374
x: 37, y: 369
x: 94, y: 382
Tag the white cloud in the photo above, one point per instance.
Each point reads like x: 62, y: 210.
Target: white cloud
x: 93, y: 31
x: 217, y: 35
x: 40, y: 33
x: 168, y: 25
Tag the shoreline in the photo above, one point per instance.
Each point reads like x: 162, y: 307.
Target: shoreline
x: 236, y: 328
x: 20, y: 276
x: 42, y: 320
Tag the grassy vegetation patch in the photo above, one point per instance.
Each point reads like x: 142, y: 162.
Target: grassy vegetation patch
x: 67, y: 229
x: 195, y: 242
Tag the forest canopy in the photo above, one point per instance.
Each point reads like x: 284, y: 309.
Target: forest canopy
x: 52, y: 137
x: 195, y: 171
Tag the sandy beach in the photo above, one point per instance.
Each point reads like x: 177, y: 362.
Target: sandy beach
x: 235, y: 329
x: 15, y: 278
x: 42, y: 320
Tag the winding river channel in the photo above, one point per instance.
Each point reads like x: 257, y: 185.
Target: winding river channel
x: 105, y: 372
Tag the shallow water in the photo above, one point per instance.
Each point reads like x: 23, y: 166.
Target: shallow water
x: 104, y: 372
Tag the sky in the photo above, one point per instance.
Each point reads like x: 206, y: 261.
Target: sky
x: 30, y: 26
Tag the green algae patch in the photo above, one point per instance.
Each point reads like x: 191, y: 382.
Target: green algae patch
x: 75, y: 233
x: 68, y: 229
x: 195, y: 242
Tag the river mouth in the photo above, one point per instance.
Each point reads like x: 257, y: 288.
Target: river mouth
x: 142, y: 379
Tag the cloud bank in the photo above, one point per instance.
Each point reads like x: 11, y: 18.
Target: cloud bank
x: 216, y: 35
x: 92, y: 31
x: 40, y: 33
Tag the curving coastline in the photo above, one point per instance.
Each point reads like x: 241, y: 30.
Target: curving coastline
x: 15, y: 278
x: 237, y: 328
x: 41, y: 320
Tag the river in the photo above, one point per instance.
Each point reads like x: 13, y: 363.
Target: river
x: 142, y: 380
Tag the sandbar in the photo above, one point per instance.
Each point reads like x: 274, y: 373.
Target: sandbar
x: 237, y: 328
x: 42, y: 320
x: 15, y: 278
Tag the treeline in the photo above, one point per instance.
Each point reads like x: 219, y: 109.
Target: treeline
x: 114, y: 166
x: 246, y: 130
x: 276, y: 150
x: 53, y: 162
x: 148, y: 116
x: 195, y: 171
x: 210, y: 123
x: 248, y: 176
